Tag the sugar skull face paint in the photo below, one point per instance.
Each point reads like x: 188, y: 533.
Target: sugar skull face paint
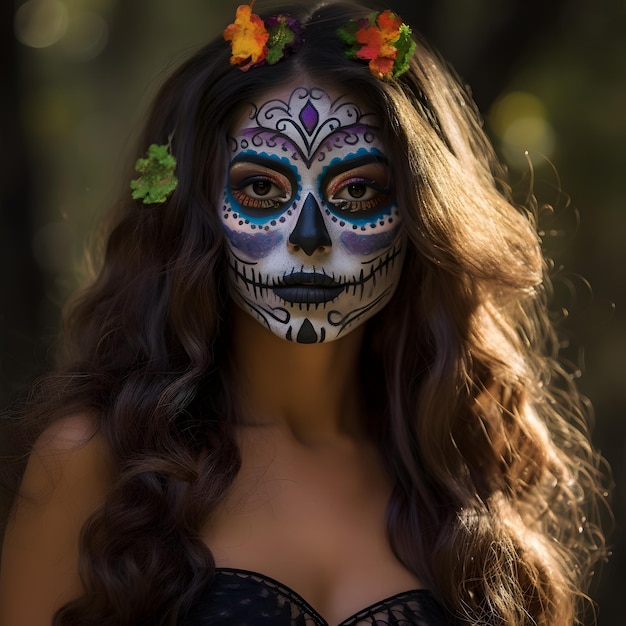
x: 312, y: 228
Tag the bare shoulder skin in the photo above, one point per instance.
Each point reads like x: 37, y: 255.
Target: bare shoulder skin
x: 66, y: 479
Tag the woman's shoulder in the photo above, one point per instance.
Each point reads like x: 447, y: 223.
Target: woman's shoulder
x: 68, y: 434
x: 66, y: 479
x: 71, y: 452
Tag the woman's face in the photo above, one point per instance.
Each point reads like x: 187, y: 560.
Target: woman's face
x: 313, y: 232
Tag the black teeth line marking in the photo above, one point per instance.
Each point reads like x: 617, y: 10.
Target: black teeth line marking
x: 385, y: 263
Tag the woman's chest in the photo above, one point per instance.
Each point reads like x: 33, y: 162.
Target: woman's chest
x: 316, y: 523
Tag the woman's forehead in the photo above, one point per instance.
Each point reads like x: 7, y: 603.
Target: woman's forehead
x: 307, y: 107
x: 306, y: 123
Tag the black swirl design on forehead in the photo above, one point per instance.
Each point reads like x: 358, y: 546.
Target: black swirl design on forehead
x: 312, y: 119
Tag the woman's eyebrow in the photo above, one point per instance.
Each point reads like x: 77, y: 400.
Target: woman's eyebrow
x: 272, y: 163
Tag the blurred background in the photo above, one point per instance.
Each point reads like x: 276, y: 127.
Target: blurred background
x: 549, y: 77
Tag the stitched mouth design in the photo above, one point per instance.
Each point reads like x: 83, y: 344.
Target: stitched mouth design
x: 312, y: 288
x: 308, y: 288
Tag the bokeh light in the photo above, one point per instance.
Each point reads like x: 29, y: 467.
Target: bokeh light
x: 519, y: 121
x: 41, y: 23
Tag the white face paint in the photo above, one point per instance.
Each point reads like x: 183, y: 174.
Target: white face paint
x: 313, y: 231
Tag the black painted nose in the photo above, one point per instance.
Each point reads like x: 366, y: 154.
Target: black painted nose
x: 310, y: 231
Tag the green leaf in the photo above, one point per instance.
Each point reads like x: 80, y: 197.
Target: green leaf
x: 157, y: 180
x: 347, y: 34
x: 280, y: 36
x: 405, y: 46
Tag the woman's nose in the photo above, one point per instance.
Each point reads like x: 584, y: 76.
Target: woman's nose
x: 310, y: 232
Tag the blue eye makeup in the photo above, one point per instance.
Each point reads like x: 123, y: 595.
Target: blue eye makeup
x: 260, y: 187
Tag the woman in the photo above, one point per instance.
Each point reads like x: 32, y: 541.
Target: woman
x: 315, y: 372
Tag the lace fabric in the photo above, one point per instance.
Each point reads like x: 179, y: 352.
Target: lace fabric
x: 243, y: 598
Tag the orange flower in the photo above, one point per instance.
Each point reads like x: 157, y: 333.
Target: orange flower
x: 248, y: 37
x: 377, y: 39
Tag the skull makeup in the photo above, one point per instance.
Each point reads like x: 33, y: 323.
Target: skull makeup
x: 312, y: 228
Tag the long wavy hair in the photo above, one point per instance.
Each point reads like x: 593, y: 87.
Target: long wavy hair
x: 495, y: 481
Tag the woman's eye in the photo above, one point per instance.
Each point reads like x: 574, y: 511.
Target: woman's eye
x: 354, y: 195
x: 259, y: 193
x: 258, y: 190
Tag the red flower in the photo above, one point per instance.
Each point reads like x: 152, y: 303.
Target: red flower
x: 377, y: 39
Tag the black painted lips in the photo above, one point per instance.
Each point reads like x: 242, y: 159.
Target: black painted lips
x: 308, y: 288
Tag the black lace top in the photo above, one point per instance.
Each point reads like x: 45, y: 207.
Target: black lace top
x: 243, y: 598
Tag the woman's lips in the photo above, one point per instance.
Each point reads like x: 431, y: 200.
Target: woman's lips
x: 307, y: 288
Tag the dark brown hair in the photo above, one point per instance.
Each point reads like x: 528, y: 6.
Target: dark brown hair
x: 495, y: 479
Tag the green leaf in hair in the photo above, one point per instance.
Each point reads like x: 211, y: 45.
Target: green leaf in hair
x: 157, y: 179
x: 405, y: 46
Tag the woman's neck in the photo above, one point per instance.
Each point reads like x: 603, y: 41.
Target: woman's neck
x: 311, y: 389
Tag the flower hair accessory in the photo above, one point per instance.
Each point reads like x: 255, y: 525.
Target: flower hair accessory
x: 383, y: 39
x: 157, y: 179
x: 255, y: 42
